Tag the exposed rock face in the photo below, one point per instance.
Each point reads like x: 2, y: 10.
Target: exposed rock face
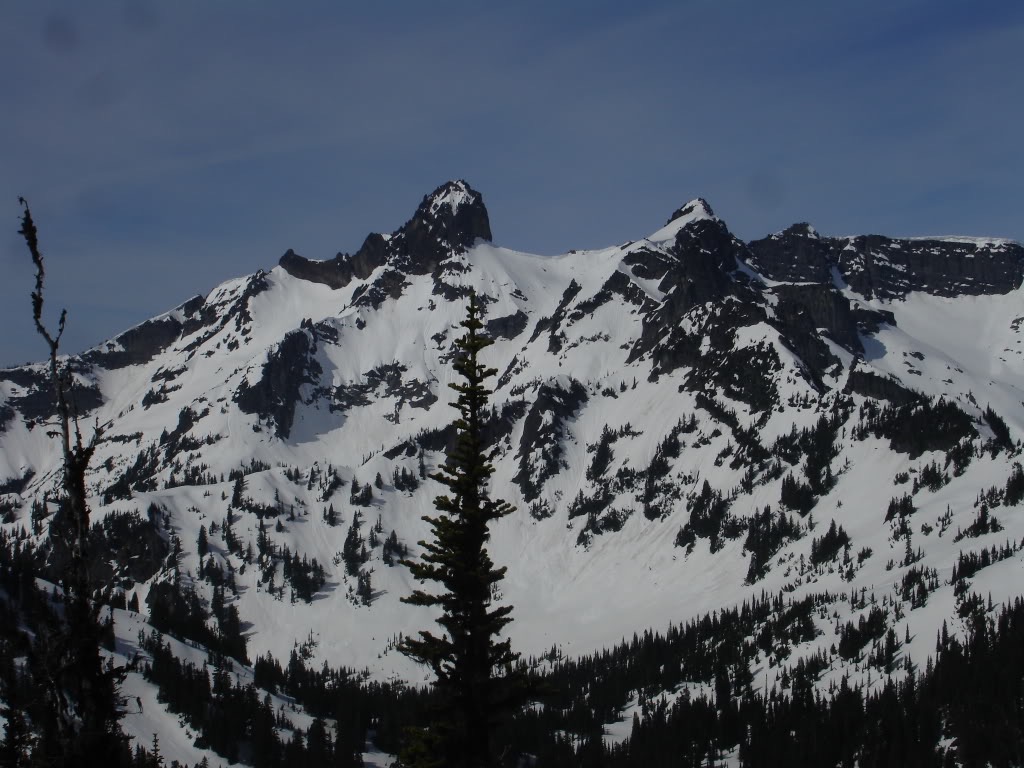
x: 507, y: 327
x: 744, y: 373
x: 826, y: 308
x: 389, y: 284
x: 383, y: 382
x: 277, y: 392
x: 698, y: 207
x: 37, y: 402
x: 552, y: 325
x: 871, y: 320
x: 618, y: 287
x: 342, y: 269
x: 215, y: 312
x: 544, y: 430
x: 882, y: 267
x: 448, y: 221
x: 701, y: 268
x: 17, y: 484
x: 658, y: 388
x: 334, y: 273
x: 878, y: 387
x: 707, y: 254
x: 138, y: 345
x: 647, y: 264
x: 887, y: 268
x: 796, y: 254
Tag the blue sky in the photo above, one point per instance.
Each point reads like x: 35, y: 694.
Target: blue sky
x: 165, y: 147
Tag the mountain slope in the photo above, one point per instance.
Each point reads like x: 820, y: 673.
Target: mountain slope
x: 656, y: 399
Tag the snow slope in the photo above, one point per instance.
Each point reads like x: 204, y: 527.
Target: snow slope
x: 630, y: 340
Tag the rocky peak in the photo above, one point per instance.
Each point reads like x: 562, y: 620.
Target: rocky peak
x: 455, y: 195
x: 706, y: 255
x: 694, y: 211
x: 448, y: 221
x: 698, y: 208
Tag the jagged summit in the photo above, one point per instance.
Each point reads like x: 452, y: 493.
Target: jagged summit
x: 447, y: 222
x: 696, y: 210
x: 452, y: 218
x: 669, y: 414
x: 454, y: 212
x: 454, y: 194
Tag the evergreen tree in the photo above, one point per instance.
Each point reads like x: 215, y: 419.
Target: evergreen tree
x: 475, y: 682
x: 350, y: 550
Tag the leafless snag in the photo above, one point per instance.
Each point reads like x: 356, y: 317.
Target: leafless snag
x: 80, y: 687
x: 76, y: 454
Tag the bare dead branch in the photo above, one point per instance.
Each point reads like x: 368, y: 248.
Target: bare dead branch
x: 88, y: 714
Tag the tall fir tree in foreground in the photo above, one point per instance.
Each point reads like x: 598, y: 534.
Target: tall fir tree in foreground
x: 476, y: 682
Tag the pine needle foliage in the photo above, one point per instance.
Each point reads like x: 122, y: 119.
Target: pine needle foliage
x: 475, y: 679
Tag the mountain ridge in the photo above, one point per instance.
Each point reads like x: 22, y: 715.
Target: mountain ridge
x: 660, y: 407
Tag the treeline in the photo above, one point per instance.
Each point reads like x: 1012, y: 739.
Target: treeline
x: 240, y: 722
x: 966, y: 708
x: 963, y: 709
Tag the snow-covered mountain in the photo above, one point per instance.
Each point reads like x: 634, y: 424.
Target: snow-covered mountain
x: 684, y: 422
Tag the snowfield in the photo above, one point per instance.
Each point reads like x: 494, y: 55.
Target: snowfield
x: 586, y: 356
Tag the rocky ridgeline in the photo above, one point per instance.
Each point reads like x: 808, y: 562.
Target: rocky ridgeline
x: 883, y: 267
x: 447, y: 222
x: 709, y: 287
x: 682, y: 396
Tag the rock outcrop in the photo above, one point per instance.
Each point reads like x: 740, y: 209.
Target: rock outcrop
x: 447, y: 222
x: 277, y: 392
x: 887, y: 268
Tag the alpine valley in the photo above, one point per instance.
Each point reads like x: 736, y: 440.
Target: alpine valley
x: 754, y: 482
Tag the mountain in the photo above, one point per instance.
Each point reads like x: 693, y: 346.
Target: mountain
x: 686, y: 423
